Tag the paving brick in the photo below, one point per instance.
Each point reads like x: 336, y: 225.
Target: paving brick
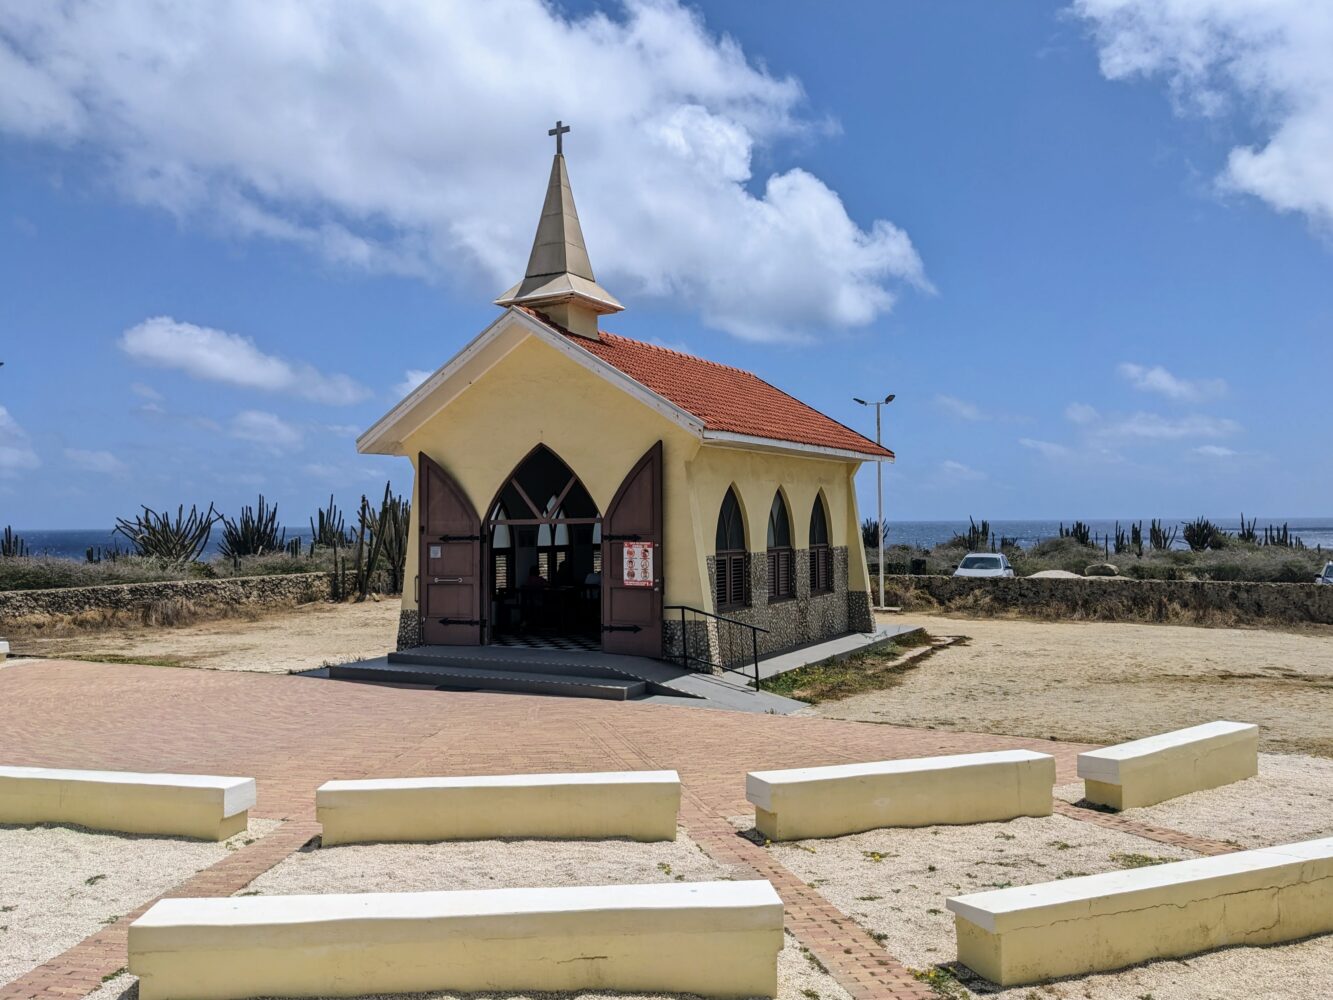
x: 293, y: 734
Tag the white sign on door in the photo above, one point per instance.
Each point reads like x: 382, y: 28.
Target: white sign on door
x: 638, y: 564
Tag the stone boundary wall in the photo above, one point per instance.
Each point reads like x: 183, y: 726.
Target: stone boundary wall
x: 16, y: 606
x: 1206, y: 602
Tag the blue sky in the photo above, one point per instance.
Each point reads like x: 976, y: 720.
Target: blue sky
x: 1087, y: 247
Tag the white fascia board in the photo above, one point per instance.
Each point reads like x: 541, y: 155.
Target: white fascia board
x: 749, y: 442
x: 405, y: 418
x: 368, y: 442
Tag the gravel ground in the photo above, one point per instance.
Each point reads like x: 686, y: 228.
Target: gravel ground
x: 1291, y: 799
x: 1096, y: 682
x: 895, y: 883
x: 58, y: 884
x: 499, y: 864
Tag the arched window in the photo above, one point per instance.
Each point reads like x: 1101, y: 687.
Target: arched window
x: 781, y: 579
x: 732, y: 579
x: 821, y: 556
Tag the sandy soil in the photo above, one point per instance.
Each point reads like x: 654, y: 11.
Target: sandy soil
x: 504, y: 864
x: 895, y: 883
x: 1107, y: 683
x: 58, y: 884
x: 1290, y: 800
x: 313, y: 635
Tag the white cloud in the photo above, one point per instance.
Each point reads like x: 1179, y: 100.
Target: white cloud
x: 1214, y: 451
x: 1155, y: 427
x: 960, y: 408
x: 958, y: 472
x: 218, y: 356
x: 1081, y: 413
x: 412, y: 378
x: 1268, y: 58
x: 267, y: 429
x: 411, y: 137
x: 1157, y: 379
x: 145, y: 392
x: 101, y: 462
x: 1047, y: 449
x: 16, y: 452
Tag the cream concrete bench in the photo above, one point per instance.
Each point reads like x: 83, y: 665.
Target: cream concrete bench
x: 1100, y: 922
x: 712, y: 938
x: 206, y: 806
x: 640, y: 805
x: 850, y: 798
x: 1171, y: 764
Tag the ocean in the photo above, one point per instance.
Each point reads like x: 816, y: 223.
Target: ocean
x: 72, y: 543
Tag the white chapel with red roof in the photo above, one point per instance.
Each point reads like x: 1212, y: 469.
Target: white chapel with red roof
x: 578, y: 489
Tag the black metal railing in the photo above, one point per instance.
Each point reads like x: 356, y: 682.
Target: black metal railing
x: 737, y: 642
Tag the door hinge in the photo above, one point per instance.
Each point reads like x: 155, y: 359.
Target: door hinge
x: 461, y: 621
x: 622, y: 628
x: 622, y: 538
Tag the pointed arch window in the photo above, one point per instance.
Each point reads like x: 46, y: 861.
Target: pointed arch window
x: 821, y: 554
x: 781, y: 579
x: 732, y: 579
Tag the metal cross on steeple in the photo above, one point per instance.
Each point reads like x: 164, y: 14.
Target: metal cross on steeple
x: 559, y: 131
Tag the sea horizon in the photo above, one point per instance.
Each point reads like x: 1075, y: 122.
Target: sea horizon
x: 73, y: 543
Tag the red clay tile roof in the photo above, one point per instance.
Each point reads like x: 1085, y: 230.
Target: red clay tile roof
x: 724, y: 398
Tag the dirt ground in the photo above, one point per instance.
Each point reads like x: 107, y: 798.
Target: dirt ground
x: 313, y: 635
x: 895, y: 883
x: 494, y: 864
x: 1106, y: 683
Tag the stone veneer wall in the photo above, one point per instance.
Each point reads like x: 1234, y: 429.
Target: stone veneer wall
x: 807, y: 617
x: 1209, y: 602
x: 409, y: 629
x: 20, y: 607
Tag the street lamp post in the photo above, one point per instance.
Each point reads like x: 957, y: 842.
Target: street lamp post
x: 879, y: 483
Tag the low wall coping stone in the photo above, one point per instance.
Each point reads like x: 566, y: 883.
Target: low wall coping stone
x: 504, y: 781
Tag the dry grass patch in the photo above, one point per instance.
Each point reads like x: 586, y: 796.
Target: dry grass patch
x: 872, y: 671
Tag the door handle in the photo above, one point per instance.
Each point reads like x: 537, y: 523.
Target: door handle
x: 446, y: 579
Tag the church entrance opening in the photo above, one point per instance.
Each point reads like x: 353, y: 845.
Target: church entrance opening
x: 545, y: 556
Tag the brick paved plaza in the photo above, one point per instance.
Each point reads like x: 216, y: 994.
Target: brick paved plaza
x: 293, y: 733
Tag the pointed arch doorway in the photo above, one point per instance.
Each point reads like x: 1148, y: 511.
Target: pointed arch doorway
x: 545, y: 556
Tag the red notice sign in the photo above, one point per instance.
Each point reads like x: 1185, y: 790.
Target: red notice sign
x: 638, y: 564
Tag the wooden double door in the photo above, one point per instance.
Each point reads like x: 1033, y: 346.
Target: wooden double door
x: 454, y: 592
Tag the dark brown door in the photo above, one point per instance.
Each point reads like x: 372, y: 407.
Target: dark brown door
x: 450, y: 579
x: 632, y: 562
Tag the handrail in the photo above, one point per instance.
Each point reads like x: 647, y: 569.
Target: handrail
x: 686, y: 658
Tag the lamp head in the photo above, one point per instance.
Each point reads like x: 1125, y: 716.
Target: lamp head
x: 890, y: 397
x: 861, y: 401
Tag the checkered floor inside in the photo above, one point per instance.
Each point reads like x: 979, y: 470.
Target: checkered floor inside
x: 575, y: 643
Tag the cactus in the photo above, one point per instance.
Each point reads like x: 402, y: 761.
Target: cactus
x: 1160, y: 539
x: 1078, y: 531
x: 254, y: 533
x: 1247, y: 532
x: 329, y: 530
x: 158, y: 536
x: 12, y: 546
x: 1136, y: 538
x: 870, y: 530
x: 1201, y: 534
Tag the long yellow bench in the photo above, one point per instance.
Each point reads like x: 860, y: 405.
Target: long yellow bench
x: 640, y: 805
x: 209, y: 807
x: 849, y: 798
x: 1162, y: 767
x: 1101, y: 922
x: 711, y: 938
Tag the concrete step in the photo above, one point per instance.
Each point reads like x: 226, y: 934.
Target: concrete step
x: 515, y: 659
x: 455, y: 678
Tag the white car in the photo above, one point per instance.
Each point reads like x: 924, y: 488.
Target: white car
x: 1327, y: 575
x: 984, y: 564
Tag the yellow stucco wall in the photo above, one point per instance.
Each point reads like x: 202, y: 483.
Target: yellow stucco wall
x: 535, y: 394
